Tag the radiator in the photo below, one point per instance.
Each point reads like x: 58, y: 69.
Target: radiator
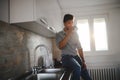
x: 104, y: 73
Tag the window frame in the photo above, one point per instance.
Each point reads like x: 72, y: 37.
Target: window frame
x: 89, y: 33
x: 91, y: 27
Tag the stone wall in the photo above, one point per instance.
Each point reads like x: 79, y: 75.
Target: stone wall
x: 17, y: 49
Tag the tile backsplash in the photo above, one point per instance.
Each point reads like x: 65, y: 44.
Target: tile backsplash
x: 17, y: 47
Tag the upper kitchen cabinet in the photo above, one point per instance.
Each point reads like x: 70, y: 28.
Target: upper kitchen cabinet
x: 22, y: 10
x: 4, y: 12
x: 51, y: 11
x: 40, y: 16
x: 14, y: 11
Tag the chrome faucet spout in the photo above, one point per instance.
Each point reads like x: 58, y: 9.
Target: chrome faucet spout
x: 44, y: 59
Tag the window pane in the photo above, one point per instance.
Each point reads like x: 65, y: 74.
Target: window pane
x: 83, y: 32
x: 100, y: 34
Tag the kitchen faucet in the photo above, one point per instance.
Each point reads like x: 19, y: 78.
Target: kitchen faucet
x: 35, y: 68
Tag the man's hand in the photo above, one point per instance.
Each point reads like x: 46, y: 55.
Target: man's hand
x: 69, y: 31
x: 66, y: 38
x: 84, y: 65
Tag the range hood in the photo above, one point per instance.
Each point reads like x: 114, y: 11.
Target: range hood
x: 39, y: 26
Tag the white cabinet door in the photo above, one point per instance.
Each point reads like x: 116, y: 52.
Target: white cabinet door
x: 4, y: 10
x: 50, y: 10
x: 22, y: 11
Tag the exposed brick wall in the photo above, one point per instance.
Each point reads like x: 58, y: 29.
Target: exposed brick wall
x: 17, y: 49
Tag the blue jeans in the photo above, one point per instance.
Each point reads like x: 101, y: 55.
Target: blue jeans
x: 74, y: 63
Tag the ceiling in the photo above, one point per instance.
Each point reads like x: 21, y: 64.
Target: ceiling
x: 65, y: 4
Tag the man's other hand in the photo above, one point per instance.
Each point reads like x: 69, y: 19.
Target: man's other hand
x: 84, y: 65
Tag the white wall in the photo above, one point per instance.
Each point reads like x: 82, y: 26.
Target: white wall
x: 113, y: 30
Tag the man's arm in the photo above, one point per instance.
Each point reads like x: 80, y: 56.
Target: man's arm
x: 63, y: 42
x: 80, y: 51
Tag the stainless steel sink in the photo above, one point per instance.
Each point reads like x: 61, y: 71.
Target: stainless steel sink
x: 55, y: 70
x: 51, y: 74
x: 48, y: 76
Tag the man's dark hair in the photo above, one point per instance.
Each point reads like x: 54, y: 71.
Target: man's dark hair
x: 68, y: 17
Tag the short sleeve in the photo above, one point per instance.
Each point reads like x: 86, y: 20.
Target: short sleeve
x: 58, y: 39
x: 79, y: 45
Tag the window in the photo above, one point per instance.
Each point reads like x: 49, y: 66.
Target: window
x: 99, y: 31
x: 100, y: 34
x: 83, y: 32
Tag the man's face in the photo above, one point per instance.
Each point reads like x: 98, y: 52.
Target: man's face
x: 69, y: 24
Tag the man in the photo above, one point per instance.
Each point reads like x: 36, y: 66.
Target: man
x: 72, y: 54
